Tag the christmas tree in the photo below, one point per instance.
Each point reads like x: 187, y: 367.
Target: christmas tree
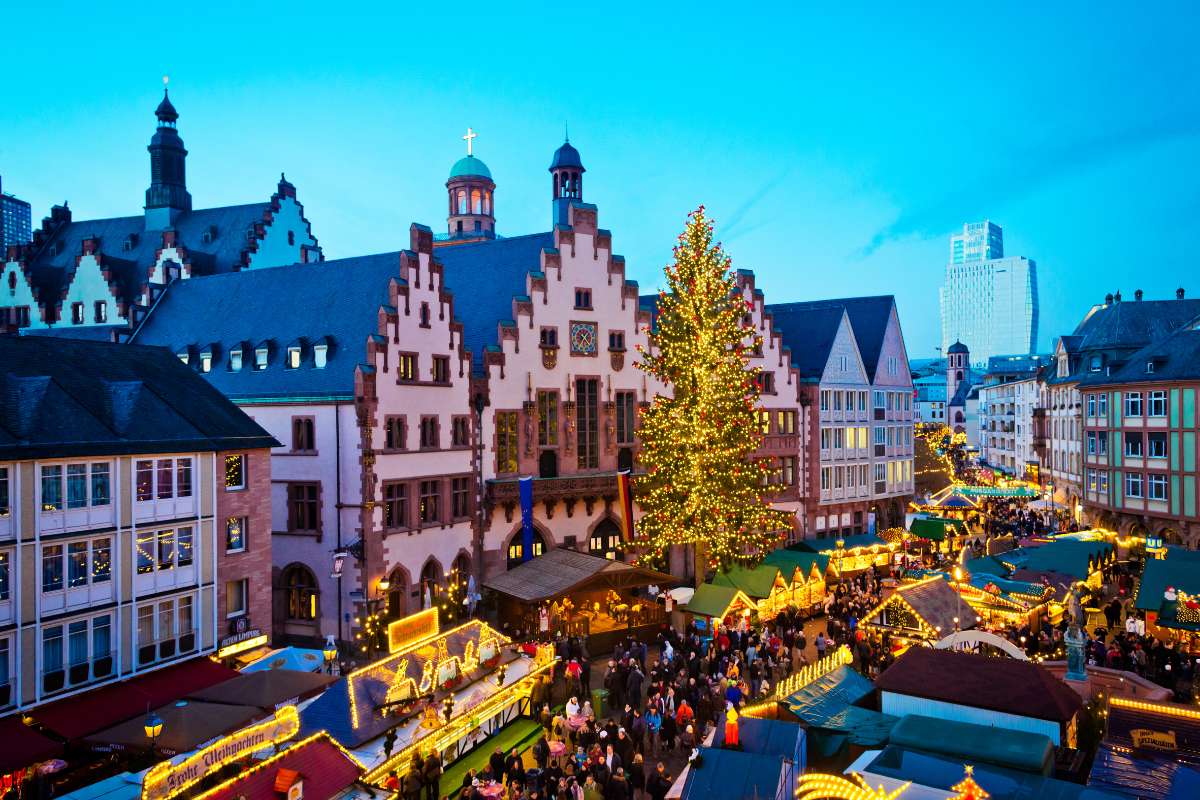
x: 702, y: 485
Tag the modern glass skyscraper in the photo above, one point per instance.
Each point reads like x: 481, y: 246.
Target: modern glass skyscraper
x: 989, y: 304
x: 979, y: 241
x: 15, y: 219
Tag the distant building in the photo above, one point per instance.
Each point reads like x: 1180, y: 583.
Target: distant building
x: 931, y: 399
x: 979, y: 241
x: 1009, y: 394
x: 989, y: 302
x: 14, y: 220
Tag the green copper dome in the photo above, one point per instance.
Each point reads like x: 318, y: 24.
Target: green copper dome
x: 469, y: 166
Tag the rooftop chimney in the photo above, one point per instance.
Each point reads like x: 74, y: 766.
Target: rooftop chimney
x: 1117, y: 296
x: 1108, y: 298
x: 1179, y: 293
x: 1137, y: 295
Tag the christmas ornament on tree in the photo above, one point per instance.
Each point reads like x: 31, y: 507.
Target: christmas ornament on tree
x: 704, y: 485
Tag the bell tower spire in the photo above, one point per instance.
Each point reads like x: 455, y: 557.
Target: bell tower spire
x: 167, y: 196
x: 567, y: 169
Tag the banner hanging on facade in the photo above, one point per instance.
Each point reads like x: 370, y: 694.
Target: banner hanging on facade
x: 526, y: 486
x: 626, y: 499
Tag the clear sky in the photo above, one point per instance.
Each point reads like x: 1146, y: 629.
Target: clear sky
x: 836, y: 150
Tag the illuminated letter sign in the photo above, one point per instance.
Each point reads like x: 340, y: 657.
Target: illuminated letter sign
x: 171, y: 777
x: 1153, y: 740
x: 404, y: 632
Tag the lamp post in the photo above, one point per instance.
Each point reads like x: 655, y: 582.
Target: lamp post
x: 479, y: 404
x: 958, y: 580
x: 840, y: 544
x: 330, y: 652
x: 153, y: 727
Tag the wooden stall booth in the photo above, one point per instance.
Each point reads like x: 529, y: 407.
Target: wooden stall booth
x: 577, y: 594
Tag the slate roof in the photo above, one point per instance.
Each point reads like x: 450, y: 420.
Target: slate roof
x: 1159, y: 574
x: 334, y: 300
x: 65, y: 398
x: 809, y: 333
x: 868, y: 317
x: 562, y: 571
x: 937, y: 603
x: 1176, y: 358
x: 977, y: 681
x: 131, y: 267
x: 484, y: 277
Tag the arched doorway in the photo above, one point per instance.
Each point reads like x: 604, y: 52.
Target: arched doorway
x: 431, y: 582
x: 302, y: 594
x: 605, y: 541
x: 1171, y: 536
x: 397, y: 595
x: 625, y: 459
x: 548, y: 464
x: 515, y: 548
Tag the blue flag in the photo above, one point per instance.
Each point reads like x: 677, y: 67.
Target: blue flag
x: 526, y: 486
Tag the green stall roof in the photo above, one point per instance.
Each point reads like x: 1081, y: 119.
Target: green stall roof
x: 989, y: 565
x: 711, y: 600
x: 829, y: 546
x: 756, y: 583
x: 827, y: 703
x: 1028, y: 752
x: 796, y: 558
x: 1068, y: 558
x: 1159, y: 574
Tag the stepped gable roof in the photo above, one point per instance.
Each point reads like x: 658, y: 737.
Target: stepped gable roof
x: 337, y: 301
x: 1175, y: 358
x: 65, y: 397
x: 809, y: 333
x: 966, y: 679
x: 485, y: 277
x: 868, y: 317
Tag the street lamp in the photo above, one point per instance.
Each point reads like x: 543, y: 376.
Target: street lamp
x: 330, y: 652
x: 958, y: 579
x: 153, y: 727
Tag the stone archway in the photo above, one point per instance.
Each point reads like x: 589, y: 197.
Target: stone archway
x: 1170, y: 535
x: 605, y: 540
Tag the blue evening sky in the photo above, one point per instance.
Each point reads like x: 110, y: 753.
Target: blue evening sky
x: 836, y: 149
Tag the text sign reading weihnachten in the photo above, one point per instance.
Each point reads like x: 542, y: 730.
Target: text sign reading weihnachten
x: 405, y: 631
x: 171, y: 777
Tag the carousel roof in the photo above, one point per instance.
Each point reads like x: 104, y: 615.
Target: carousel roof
x: 561, y: 572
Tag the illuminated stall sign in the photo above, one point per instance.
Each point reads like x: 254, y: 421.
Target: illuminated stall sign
x: 404, y: 632
x: 172, y: 777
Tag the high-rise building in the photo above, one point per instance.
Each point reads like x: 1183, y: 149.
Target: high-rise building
x: 989, y: 304
x: 979, y: 241
x: 14, y: 220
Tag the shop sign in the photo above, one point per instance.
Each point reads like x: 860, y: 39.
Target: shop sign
x: 404, y: 632
x: 171, y: 777
x: 1153, y: 740
x: 240, y: 642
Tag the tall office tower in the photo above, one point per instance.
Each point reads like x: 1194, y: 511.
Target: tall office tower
x: 979, y: 241
x: 988, y: 304
x: 15, y: 220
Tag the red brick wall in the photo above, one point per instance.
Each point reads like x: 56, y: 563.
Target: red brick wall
x: 254, y: 504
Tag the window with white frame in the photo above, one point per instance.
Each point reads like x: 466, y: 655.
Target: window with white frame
x: 880, y: 473
x: 236, y: 597
x: 825, y: 400
x: 163, y: 550
x: 1102, y: 480
x: 826, y: 477
x: 1157, y: 486
x: 235, y: 534
x: 1133, y: 404
x: 1133, y: 484
x: 1158, y: 404
x: 5, y: 566
x: 163, y: 479
x: 235, y: 472
x: 72, y: 486
x: 879, y: 399
x: 166, y: 628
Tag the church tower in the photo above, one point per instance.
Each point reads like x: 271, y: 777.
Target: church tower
x: 958, y: 368
x: 470, y: 188
x: 567, y: 169
x: 167, y: 196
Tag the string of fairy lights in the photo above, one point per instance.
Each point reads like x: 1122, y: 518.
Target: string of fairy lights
x: 702, y: 486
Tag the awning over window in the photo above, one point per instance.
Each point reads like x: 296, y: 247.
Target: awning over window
x: 102, y: 708
x: 23, y: 746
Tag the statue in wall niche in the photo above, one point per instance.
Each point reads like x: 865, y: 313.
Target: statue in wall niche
x: 609, y: 432
x: 528, y: 435
x: 570, y: 435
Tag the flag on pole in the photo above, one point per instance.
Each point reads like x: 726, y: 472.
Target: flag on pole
x: 626, y: 499
x: 526, y: 487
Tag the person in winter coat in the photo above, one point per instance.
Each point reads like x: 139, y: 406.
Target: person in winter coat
x: 637, y: 731
x: 541, y: 752
x: 538, y: 698
x: 432, y: 774
x: 687, y: 740
x: 496, y: 761
x: 668, y: 731
x: 513, y: 766
x: 618, y: 787
x: 658, y: 783
x: 412, y: 783
x: 637, y: 778
x: 653, y: 726
x: 633, y: 689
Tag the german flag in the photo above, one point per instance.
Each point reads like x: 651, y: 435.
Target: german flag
x: 626, y: 499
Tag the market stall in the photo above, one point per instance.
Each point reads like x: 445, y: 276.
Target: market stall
x: 850, y: 554
x: 725, y: 605
x: 778, y: 584
x: 580, y: 594
x: 922, y: 611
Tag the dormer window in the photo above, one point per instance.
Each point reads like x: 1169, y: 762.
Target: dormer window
x: 56, y: 248
x: 320, y: 354
x: 130, y: 242
x: 293, y: 358
x: 260, y: 356
x: 183, y: 355
x: 1149, y: 366
x: 209, y: 234
x: 250, y: 233
x: 206, y: 360
x: 235, y: 359
x: 1095, y: 366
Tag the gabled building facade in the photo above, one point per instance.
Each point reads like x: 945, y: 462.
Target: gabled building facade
x: 83, y: 278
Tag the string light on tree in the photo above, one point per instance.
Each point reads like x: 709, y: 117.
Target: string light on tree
x: 702, y: 485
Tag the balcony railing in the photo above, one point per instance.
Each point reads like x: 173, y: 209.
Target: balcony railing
x: 507, y: 490
x: 167, y: 647
x: 77, y: 673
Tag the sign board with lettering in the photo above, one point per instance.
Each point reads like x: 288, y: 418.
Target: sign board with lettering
x: 1153, y: 740
x: 171, y: 777
x: 404, y: 632
x: 240, y: 642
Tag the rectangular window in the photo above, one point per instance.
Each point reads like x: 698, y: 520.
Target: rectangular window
x: 626, y: 416
x: 77, y: 564
x: 789, y: 470
x: 166, y: 550
x: 880, y: 473
x: 406, y: 367
x: 891, y: 399
x: 1133, y: 404
x: 100, y: 495
x: 52, y: 568
x: 459, y: 489
x: 826, y: 437
x: 879, y: 434
x: 1091, y: 405
x: 186, y: 625
x: 304, y: 507
x: 393, y: 433
x: 1133, y: 484
x: 825, y: 400
x: 235, y: 473
x: 395, y: 497
x: 587, y: 422
x: 1156, y: 445
x: 430, y: 432
x: 52, y: 651
x: 864, y: 471
x: 145, y: 480
x: 101, y: 638
x: 862, y: 401
x: 549, y: 337
x: 879, y: 399
x: 4, y: 502
x: 145, y: 552
x: 441, y: 369
x: 1102, y: 476
x: 837, y: 401
x: 1157, y: 486
x: 165, y: 479
x: 1102, y: 405
x: 1133, y: 444
x: 862, y: 437
x: 908, y: 437
x: 1091, y: 479
x: 506, y: 441
x: 839, y: 438
x: 101, y: 311
x: 837, y: 477
x: 235, y: 534
x: 77, y: 485
x: 429, y: 501
x: 891, y: 432
x: 785, y: 421
x: 183, y: 547
x: 235, y: 598
x: 183, y: 477
x: 548, y: 418
x: 1158, y: 404
x: 4, y: 568
x: 850, y: 438
x: 1102, y: 442
x: 460, y: 431
x: 1091, y: 443
x: 825, y: 478
x: 52, y: 499
x: 907, y: 402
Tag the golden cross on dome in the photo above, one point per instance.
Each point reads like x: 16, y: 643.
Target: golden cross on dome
x: 469, y: 137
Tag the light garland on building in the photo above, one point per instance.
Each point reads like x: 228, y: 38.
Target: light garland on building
x: 1158, y: 709
x: 819, y: 786
x: 703, y: 486
x: 805, y: 676
x: 268, y: 762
